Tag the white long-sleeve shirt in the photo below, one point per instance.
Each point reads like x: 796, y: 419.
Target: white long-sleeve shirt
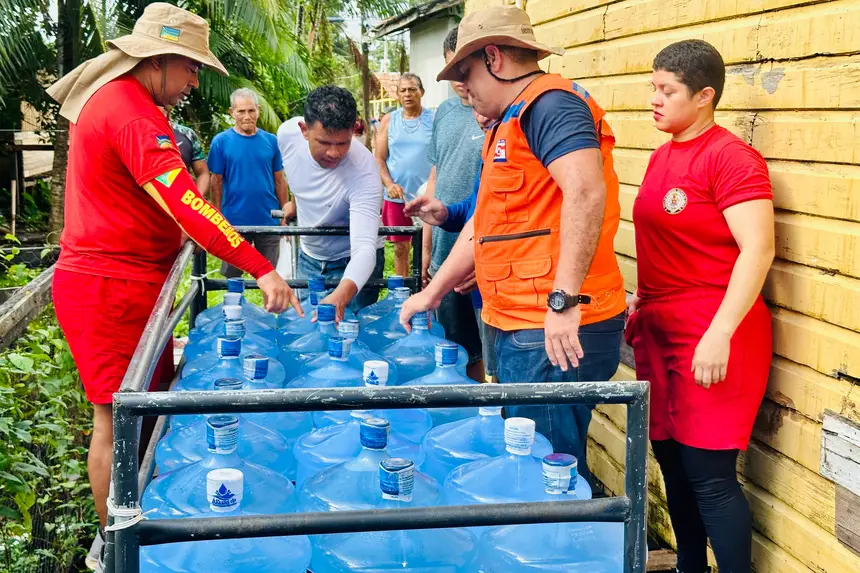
x: 350, y: 194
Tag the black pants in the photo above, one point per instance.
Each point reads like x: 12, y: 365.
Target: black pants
x: 705, y: 502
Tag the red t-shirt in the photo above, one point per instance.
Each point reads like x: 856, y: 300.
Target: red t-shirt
x: 683, y: 242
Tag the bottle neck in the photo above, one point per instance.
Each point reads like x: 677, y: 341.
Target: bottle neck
x: 328, y: 328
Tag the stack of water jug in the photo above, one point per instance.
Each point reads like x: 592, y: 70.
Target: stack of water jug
x: 263, y: 463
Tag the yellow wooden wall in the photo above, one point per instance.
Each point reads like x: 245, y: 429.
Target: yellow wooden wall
x: 793, y: 92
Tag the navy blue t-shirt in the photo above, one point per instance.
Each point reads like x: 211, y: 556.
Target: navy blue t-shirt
x: 247, y: 164
x: 558, y: 123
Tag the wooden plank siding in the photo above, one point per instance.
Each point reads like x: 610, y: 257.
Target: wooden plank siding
x: 793, y: 92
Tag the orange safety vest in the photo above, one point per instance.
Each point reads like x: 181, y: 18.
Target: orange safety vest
x: 518, y: 220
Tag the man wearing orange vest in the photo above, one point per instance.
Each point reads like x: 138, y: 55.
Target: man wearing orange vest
x: 541, y: 238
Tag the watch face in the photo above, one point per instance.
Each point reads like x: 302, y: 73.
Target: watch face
x: 556, y: 300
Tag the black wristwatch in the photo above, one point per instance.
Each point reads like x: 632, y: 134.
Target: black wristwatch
x: 559, y: 301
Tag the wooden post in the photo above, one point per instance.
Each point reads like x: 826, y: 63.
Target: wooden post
x: 365, y: 77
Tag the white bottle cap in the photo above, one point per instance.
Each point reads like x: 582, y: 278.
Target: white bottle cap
x: 519, y: 436
x: 232, y: 298
x: 360, y: 414
x: 490, y: 411
x: 232, y: 311
x: 375, y: 373
x: 224, y: 489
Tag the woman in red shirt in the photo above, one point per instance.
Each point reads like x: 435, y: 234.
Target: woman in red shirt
x: 700, y: 331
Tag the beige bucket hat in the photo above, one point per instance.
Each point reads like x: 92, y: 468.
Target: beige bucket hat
x: 162, y: 29
x: 494, y: 26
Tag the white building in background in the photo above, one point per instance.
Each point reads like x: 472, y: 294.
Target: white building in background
x: 428, y: 25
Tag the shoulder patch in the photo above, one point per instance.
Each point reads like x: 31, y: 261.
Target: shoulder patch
x: 581, y: 91
x: 163, y: 141
x: 168, y: 178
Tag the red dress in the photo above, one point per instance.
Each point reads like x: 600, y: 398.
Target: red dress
x: 686, y: 254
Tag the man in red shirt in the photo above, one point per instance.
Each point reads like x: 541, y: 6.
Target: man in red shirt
x: 128, y: 201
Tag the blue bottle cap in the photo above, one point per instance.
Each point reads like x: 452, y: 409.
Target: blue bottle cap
x: 374, y: 433
x: 236, y: 285
x: 228, y: 347
x: 325, y: 313
x: 397, y: 479
x: 316, y: 283
x: 228, y: 384
x: 420, y: 320
x: 255, y: 367
x: 315, y: 298
x: 446, y: 353
x: 401, y: 294
x: 235, y: 328
x: 348, y: 328
x: 338, y: 347
x: 222, y: 434
x: 559, y: 473
x: 395, y: 281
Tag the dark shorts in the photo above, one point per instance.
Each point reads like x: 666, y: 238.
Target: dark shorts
x: 392, y: 216
x: 268, y: 245
x: 456, y: 314
x: 488, y: 344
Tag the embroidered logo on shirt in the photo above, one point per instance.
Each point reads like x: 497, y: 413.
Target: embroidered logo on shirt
x: 674, y: 201
x: 163, y: 141
x: 501, y: 153
x: 167, y: 179
x: 169, y: 34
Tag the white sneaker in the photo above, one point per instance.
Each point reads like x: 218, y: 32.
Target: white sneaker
x: 92, y: 560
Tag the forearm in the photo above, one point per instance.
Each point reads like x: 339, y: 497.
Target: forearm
x: 202, y: 183
x: 427, y: 242
x: 745, y: 284
x: 457, y: 267
x: 383, y: 171
x: 282, y: 191
x: 215, y: 187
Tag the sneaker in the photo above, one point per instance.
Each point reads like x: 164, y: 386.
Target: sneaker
x: 95, y: 553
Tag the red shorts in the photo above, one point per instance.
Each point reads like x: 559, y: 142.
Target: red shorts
x: 392, y: 216
x: 103, y: 319
x: 664, y: 336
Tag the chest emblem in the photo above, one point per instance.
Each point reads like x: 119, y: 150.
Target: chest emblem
x: 675, y: 201
x: 500, y: 155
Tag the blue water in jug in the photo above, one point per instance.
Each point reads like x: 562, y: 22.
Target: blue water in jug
x: 446, y: 374
x: 359, y: 353
x: 415, y: 354
x: 554, y: 547
x: 329, y: 446
x: 379, y: 309
x: 225, y: 493
x: 383, y: 332
x: 413, y: 423
x: 182, y: 492
x: 313, y: 344
x: 226, y: 363
x: 249, y: 311
x: 450, y: 446
x: 354, y: 484
x: 231, y: 310
x: 415, y: 551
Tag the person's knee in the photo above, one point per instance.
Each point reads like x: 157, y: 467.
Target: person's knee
x: 102, y: 423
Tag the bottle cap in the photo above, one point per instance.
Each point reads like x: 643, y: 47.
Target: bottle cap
x: 395, y: 281
x: 232, y: 311
x: 490, y: 411
x: 235, y: 328
x: 325, y: 313
x: 374, y: 433
x: 420, y: 320
x: 228, y: 347
x: 228, y: 384
x: 232, y: 299
x: 236, y: 285
x: 519, y: 436
x: 401, y: 294
x: 397, y: 479
x: 222, y: 434
x: 360, y: 414
x: 559, y: 473
x: 348, y: 328
x: 224, y: 489
x: 338, y: 348
x: 255, y: 367
x: 315, y: 298
x: 375, y: 373
x: 446, y: 353
x: 316, y: 283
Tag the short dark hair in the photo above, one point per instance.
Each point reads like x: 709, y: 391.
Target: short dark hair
x: 333, y: 107
x: 411, y: 76
x: 696, y: 63
x: 450, y: 43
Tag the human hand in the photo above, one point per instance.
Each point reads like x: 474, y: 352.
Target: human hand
x: 425, y: 271
x: 421, y: 302
x: 395, y: 191
x: 633, y: 301
x: 469, y: 284
x: 289, y: 213
x: 429, y: 209
x: 277, y: 294
x: 340, y: 300
x: 561, y: 337
x: 711, y: 358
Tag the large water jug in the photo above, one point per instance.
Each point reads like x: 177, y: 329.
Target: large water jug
x: 413, y: 423
x: 415, y: 551
x: 316, y: 283
x: 379, y: 309
x: 554, y: 547
x: 225, y: 492
x: 415, y: 354
x: 354, y: 484
x: 516, y: 475
x: 202, y: 374
x: 359, y: 353
x: 249, y: 311
x: 450, y: 446
x: 382, y: 332
x: 276, y: 375
x: 446, y: 374
x: 251, y: 342
x: 313, y: 344
x: 332, y: 445
x: 337, y: 373
x: 231, y: 310
x: 182, y: 492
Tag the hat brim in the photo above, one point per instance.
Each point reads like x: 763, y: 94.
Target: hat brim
x: 452, y: 73
x: 143, y: 47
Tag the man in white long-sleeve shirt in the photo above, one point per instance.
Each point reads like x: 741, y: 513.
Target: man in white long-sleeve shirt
x: 334, y: 182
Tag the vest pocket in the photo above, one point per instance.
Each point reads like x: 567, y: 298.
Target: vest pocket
x: 508, y: 205
x: 515, y: 283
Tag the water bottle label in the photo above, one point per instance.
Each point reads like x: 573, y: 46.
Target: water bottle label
x: 228, y: 347
x: 232, y: 311
x: 400, y: 295
x: 446, y: 353
x: 348, y: 328
x: 231, y: 299
x: 374, y: 433
x: 397, y: 479
x: 338, y: 348
x: 490, y: 411
x: 256, y: 367
x: 228, y: 384
x: 325, y: 313
x: 222, y: 434
x: 315, y: 298
x: 519, y: 436
x: 224, y: 489
x: 234, y: 328
x: 559, y: 473
x: 236, y: 285
x: 375, y: 373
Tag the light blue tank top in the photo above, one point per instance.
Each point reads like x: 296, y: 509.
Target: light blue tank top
x: 407, y: 151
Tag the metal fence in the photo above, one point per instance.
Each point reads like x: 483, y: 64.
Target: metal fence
x: 130, y: 531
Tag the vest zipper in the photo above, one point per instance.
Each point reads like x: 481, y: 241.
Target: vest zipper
x: 514, y: 236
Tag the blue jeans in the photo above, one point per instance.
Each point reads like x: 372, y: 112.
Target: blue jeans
x: 521, y: 357
x: 309, y: 266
